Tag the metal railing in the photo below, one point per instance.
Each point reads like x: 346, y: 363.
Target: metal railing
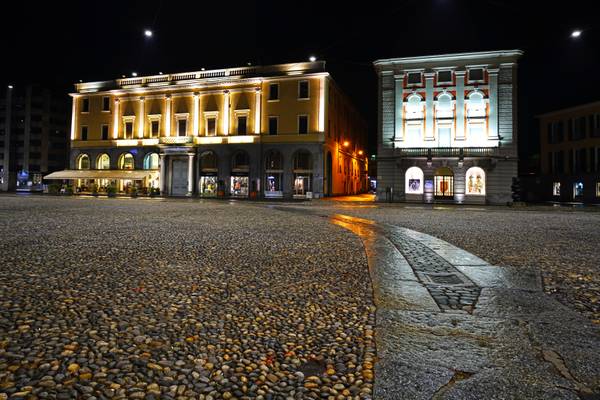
x: 170, y: 78
x: 176, y: 139
x: 459, y: 152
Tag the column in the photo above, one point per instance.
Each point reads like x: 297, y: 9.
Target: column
x: 73, y: 119
x: 493, y: 101
x: 322, y: 105
x: 460, y: 105
x: 399, y: 100
x: 168, y: 115
x: 162, y: 177
x: 190, y: 174
x: 226, y: 112
x: 429, y: 134
x: 116, y: 119
x: 196, y: 116
x: 142, y: 118
x: 257, y: 105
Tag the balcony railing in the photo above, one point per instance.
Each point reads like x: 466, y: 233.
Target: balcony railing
x: 459, y: 152
x: 157, y: 80
x: 176, y: 139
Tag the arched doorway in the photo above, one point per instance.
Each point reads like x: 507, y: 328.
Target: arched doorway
x: 444, y: 183
x: 328, y: 174
x: 274, y: 174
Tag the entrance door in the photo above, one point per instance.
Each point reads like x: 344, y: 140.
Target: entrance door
x: 444, y: 183
x: 179, y: 182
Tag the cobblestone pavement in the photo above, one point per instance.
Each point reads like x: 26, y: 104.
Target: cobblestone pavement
x: 512, y: 341
x: 148, y: 299
x: 561, y: 243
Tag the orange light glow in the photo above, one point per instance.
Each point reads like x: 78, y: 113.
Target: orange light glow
x: 346, y: 143
x: 360, y: 152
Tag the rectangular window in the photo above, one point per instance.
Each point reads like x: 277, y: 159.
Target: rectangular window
x: 105, y: 103
x: 444, y: 77
x: 414, y: 135
x: 414, y: 78
x: 104, y: 132
x: 476, y: 75
x: 211, y: 126
x: 128, y: 130
x: 85, y: 105
x: 154, y: 127
x: 242, y: 125
x: 579, y: 128
x: 182, y: 127
x: 556, y: 189
x: 595, y: 125
x: 84, y: 133
x: 273, y: 125
x: 303, y: 90
x: 597, y: 189
x: 302, y: 124
x: 274, y: 91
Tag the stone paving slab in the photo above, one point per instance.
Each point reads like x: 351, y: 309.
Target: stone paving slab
x: 503, y: 277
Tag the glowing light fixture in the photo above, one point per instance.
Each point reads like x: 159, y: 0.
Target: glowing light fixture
x: 346, y: 143
x: 10, y: 86
x: 134, y: 74
x: 160, y: 72
x: 148, y: 33
x: 312, y: 58
x: 576, y: 33
x: 360, y: 152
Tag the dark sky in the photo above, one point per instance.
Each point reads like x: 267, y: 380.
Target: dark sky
x: 58, y: 43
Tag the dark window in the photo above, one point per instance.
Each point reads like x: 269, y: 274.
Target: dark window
x: 303, y: 124
x: 128, y: 130
x: 414, y: 78
x: 104, y: 131
x: 476, y: 74
x: 154, y: 128
x: 444, y: 76
x: 595, y: 131
x: 593, y: 160
x: 106, y: 103
x: 303, y: 90
x: 579, y: 128
x: 211, y: 126
x: 85, y: 105
x: 273, y: 122
x: 241, y: 125
x: 274, y: 91
x: 84, y: 133
x: 182, y: 127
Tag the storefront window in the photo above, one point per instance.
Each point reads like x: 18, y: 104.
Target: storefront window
x: 302, y: 184
x: 444, y: 182
x: 414, y: 180
x: 597, y: 189
x: 239, y: 186
x: 556, y: 189
x: 578, y: 189
x: 475, y: 181
x: 302, y: 168
x: 273, y: 174
x: 151, y: 161
x: 208, y: 186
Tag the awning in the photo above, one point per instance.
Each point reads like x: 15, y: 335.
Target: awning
x: 135, y: 175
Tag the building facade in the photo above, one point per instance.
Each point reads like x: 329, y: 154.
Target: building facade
x: 447, y: 127
x: 569, y: 155
x: 275, y: 131
x: 33, y: 137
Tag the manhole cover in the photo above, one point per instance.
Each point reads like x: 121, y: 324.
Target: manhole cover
x: 312, y: 368
x: 450, y: 279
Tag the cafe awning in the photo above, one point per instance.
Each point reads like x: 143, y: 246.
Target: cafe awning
x: 135, y: 175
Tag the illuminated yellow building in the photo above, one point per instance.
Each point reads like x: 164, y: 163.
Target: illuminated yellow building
x: 273, y: 131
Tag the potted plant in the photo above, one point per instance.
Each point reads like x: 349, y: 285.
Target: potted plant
x: 133, y: 191
x: 95, y: 190
x: 68, y: 190
x: 54, y: 189
x: 111, y: 191
x: 154, y: 192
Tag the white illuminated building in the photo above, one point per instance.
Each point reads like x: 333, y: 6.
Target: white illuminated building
x: 447, y: 127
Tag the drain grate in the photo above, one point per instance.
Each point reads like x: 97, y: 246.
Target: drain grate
x: 446, y: 279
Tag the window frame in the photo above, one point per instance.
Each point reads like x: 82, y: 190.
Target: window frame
x: 214, y: 116
x: 307, y: 123
x: 102, y: 126
x: 85, y: 101
x: 307, y: 82
x: 81, y: 129
x: 276, y: 119
x: 476, y: 67
x: 269, y: 99
x: 103, y: 99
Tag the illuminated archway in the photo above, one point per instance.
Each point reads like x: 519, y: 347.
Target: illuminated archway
x: 475, y: 181
x: 414, y: 180
x: 83, y: 161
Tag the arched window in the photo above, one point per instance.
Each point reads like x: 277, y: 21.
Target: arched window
x: 151, y: 161
x: 83, y: 161
x: 103, y: 161
x: 208, y: 161
x: 476, y: 105
x: 475, y: 181
x: 414, y: 107
x: 444, y: 106
x: 241, y: 161
x: 126, y: 161
x: 414, y: 180
x: 274, y: 161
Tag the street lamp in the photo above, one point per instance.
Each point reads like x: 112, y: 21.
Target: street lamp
x: 360, y: 152
x: 576, y: 33
x: 10, y: 86
x: 346, y: 143
x: 134, y: 74
x: 312, y: 59
x: 148, y: 33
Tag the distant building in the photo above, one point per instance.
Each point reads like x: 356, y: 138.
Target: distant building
x: 33, y: 136
x: 280, y: 131
x: 570, y: 154
x: 447, y: 127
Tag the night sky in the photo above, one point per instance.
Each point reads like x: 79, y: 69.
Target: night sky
x: 58, y: 43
